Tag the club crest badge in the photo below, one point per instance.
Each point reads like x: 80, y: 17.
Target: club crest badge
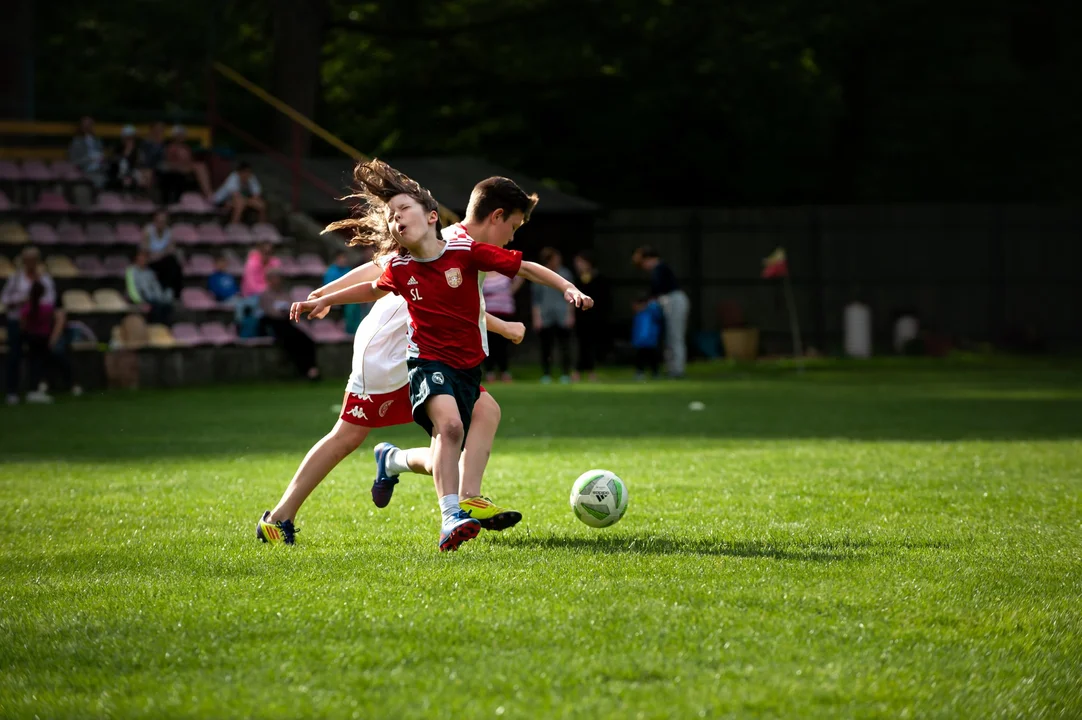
x: 454, y: 277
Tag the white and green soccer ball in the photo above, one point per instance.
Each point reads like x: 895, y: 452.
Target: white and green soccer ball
x: 599, y: 498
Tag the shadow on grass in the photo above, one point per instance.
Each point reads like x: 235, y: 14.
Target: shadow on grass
x: 774, y: 549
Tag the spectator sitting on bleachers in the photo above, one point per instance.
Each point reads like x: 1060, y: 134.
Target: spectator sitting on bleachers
x: 15, y: 294
x: 153, y: 150
x: 351, y: 314
x: 43, y: 326
x: 180, y: 170
x: 163, y: 254
x: 300, y: 348
x: 240, y: 191
x: 87, y: 153
x: 145, y: 291
x: 259, y: 263
x: 221, y: 283
x: 126, y: 171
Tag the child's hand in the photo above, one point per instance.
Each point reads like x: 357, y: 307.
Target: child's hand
x: 516, y: 331
x: 315, y: 309
x: 315, y: 295
x: 576, y: 297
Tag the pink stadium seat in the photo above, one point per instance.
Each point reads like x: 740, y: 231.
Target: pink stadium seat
x: 311, y: 264
x: 288, y: 266
x: 116, y: 265
x: 196, y: 298
x: 52, y: 202
x: 184, y: 234
x: 36, y: 171
x: 327, y: 331
x: 300, y: 293
x: 214, y: 333
x: 90, y: 266
x: 128, y: 234
x: 200, y: 264
x: 238, y: 233
x: 99, y: 233
x: 211, y: 232
x: 266, y: 232
x: 41, y: 234
x: 187, y: 334
x: 9, y: 171
x: 109, y: 203
x: 70, y: 233
x: 140, y: 205
x: 64, y: 170
x: 5, y: 204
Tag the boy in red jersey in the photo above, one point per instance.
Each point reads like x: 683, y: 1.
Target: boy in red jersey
x: 440, y: 281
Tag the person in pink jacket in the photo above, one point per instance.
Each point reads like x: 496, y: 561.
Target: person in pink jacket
x: 260, y: 260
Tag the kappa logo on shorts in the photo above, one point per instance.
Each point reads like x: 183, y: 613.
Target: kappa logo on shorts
x: 357, y: 413
x: 454, y: 277
x: 437, y: 377
x: 384, y: 408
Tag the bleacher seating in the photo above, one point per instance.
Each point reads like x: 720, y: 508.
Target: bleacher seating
x: 88, y: 240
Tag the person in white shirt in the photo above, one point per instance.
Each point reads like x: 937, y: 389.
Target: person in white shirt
x: 15, y: 294
x: 240, y: 191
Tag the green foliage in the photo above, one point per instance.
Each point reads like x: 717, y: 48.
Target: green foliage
x: 873, y: 540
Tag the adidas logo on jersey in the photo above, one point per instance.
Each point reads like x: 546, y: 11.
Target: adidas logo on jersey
x: 413, y: 281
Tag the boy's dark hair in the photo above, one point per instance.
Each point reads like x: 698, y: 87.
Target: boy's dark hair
x: 243, y: 165
x: 500, y: 193
x: 547, y: 253
x: 374, y: 184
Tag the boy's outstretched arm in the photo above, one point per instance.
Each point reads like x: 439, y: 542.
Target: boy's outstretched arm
x: 365, y: 292
x: 543, y: 276
x: 513, y: 331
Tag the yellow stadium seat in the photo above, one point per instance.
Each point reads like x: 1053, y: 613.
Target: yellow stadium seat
x: 77, y: 301
x: 61, y: 266
x: 160, y: 337
x: 7, y: 268
x: 109, y: 300
x: 12, y: 233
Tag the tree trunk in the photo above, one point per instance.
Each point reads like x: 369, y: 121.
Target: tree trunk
x: 299, y: 29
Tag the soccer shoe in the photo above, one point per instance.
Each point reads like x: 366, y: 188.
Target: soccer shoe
x: 489, y: 514
x: 457, y: 531
x: 383, y: 487
x: 275, y: 532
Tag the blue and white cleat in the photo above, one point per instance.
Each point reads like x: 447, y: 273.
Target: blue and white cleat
x: 383, y: 487
x: 457, y: 531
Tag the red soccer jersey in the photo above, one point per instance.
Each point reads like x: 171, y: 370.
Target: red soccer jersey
x: 447, y: 317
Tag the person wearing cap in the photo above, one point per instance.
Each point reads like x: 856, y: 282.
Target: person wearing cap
x: 125, y: 170
x: 87, y: 153
x: 15, y: 294
x: 241, y: 191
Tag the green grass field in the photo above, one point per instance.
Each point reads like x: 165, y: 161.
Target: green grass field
x: 892, y: 540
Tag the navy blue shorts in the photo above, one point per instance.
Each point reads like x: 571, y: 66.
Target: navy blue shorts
x: 431, y: 377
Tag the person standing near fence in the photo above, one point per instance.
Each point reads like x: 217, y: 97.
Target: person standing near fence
x: 499, y: 293
x: 674, y: 305
x: 553, y: 318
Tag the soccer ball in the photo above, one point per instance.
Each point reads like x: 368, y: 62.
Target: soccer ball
x: 599, y: 498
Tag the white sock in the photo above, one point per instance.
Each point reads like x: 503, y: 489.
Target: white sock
x: 449, y: 507
x: 396, y: 462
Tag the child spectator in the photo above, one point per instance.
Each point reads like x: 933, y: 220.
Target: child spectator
x: 16, y: 293
x: 43, y: 328
x: 499, y: 293
x: 145, y: 291
x: 220, y: 283
x: 259, y: 262
x: 163, y: 256
x: 646, y: 329
x: 126, y: 171
x: 351, y: 314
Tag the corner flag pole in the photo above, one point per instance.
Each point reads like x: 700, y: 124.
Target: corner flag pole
x: 777, y: 265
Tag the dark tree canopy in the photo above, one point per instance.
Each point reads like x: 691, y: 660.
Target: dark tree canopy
x: 624, y: 101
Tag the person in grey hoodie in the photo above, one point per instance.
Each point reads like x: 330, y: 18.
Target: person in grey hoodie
x: 553, y: 318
